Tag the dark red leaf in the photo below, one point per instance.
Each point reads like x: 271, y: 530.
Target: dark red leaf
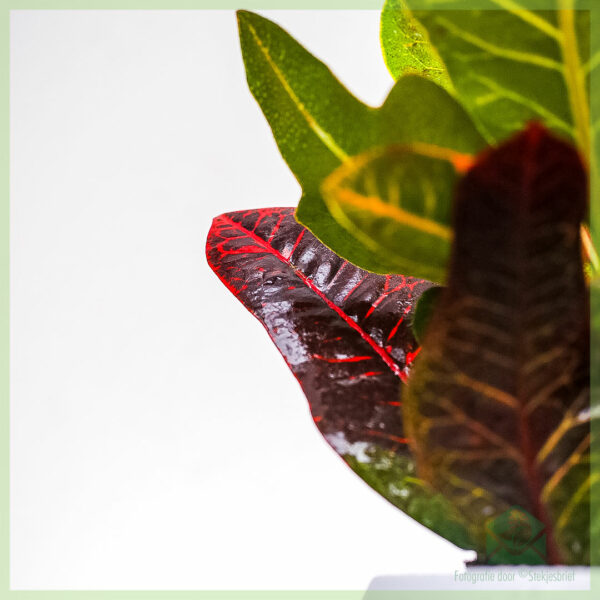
x: 498, y: 404
x: 343, y: 332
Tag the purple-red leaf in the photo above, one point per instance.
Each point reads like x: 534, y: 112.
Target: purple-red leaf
x: 498, y: 404
x: 343, y: 332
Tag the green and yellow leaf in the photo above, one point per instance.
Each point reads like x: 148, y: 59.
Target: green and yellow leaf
x: 406, y: 48
x: 396, y: 201
x: 511, y: 65
x: 318, y: 126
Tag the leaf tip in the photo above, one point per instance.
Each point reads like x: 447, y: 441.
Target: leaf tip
x: 531, y: 147
x: 244, y: 18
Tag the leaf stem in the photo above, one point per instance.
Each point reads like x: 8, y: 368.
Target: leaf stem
x: 574, y: 77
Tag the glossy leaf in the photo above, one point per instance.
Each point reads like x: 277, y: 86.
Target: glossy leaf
x: 497, y: 408
x: 397, y: 201
x: 512, y: 66
x: 318, y: 125
x: 406, y: 48
x: 345, y: 335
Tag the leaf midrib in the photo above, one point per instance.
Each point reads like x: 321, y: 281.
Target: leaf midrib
x: 321, y: 133
x: 530, y: 464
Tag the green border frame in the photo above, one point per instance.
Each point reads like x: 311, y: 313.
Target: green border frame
x: 5, y: 592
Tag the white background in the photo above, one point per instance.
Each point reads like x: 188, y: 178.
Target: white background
x: 158, y: 439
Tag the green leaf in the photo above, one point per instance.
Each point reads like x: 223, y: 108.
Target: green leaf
x: 424, y: 312
x: 318, y: 125
x: 396, y: 200
x: 307, y: 107
x: 419, y: 111
x: 405, y: 46
x: 498, y: 403
x: 393, y: 476
x: 513, y: 66
x: 316, y: 122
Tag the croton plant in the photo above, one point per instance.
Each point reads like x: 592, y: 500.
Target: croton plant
x: 430, y: 292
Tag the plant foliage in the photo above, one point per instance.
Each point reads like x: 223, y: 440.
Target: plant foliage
x: 474, y: 173
x: 498, y: 405
x: 319, y: 126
